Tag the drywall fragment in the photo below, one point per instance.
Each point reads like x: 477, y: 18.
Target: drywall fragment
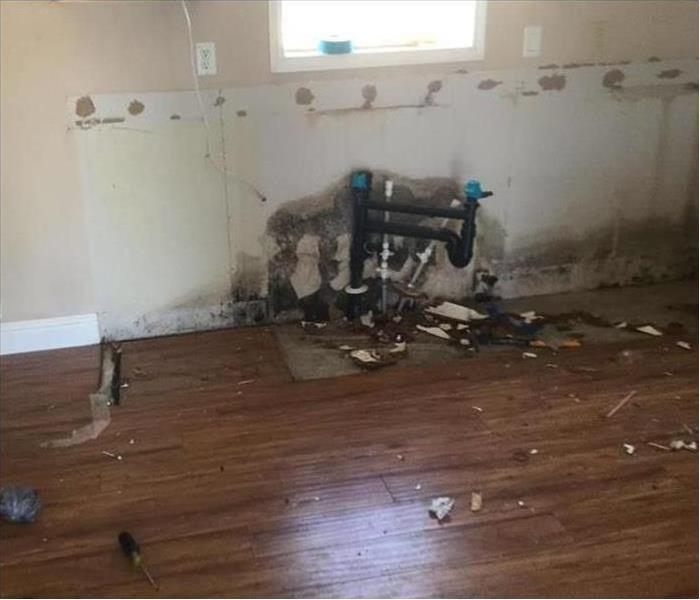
x: 454, y: 311
x: 649, y: 330
x: 418, y: 486
x: 529, y: 316
x: 399, y: 348
x: 621, y: 325
x: 529, y: 355
x: 681, y: 445
x: 365, y: 356
x: 620, y: 404
x: 478, y: 408
x: 367, y: 319
x: 112, y: 455
x: 436, y: 331
x: 629, y: 448
x: 684, y: 345
x: 440, y: 507
x: 345, y: 347
x: 534, y: 451
x: 306, y: 278
x: 445, y: 326
x: 476, y: 502
x: 521, y: 504
x: 316, y: 324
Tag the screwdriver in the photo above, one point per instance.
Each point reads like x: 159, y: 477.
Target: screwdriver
x: 133, y: 552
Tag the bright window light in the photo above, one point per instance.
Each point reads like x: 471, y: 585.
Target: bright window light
x: 380, y: 31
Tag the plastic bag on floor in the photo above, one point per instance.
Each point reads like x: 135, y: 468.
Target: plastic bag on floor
x: 21, y: 505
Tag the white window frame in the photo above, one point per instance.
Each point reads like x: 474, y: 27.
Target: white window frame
x: 324, y: 62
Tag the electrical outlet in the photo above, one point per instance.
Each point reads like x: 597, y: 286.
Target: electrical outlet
x: 532, y: 40
x: 206, y: 58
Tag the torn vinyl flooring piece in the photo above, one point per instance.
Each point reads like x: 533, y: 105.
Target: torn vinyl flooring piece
x: 100, y: 401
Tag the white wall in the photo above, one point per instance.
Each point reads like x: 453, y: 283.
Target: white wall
x: 592, y: 185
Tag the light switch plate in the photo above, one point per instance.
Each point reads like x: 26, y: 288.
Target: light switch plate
x: 206, y: 58
x: 532, y: 40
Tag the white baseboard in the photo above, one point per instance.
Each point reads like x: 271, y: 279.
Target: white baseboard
x: 49, y: 334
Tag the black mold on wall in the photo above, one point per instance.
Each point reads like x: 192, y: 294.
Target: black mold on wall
x: 328, y: 215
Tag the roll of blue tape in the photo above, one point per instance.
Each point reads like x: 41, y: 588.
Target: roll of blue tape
x: 335, y: 46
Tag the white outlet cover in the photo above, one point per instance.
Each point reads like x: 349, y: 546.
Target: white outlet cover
x: 532, y: 40
x: 206, y: 58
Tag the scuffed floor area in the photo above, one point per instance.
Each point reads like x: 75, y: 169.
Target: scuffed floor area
x: 239, y: 481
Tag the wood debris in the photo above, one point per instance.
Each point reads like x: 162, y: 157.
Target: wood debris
x: 620, y: 404
x: 476, y: 502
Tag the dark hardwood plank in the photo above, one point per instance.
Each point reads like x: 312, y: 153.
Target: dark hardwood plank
x: 239, y: 482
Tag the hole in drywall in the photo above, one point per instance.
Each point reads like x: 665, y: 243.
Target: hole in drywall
x: 669, y: 74
x: 613, y: 79
x: 304, y: 96
x: 84, y: 106
x: 554, y: 82
x: 369, y: 93
x: 136, y: 107
x: 488, y: 84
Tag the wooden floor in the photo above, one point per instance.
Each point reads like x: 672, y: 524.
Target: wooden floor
x: 276, y: 488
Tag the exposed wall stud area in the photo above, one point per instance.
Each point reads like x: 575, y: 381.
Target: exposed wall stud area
x: 348, y: 299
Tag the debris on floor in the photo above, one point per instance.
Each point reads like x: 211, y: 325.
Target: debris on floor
x: 629, y: 448
x: 529, y: 355
x: 457, y: 312
x: 436, y: 331
x: 112, y: 455
x: 367, y: 320
x: 682, y: 445
x: 314, y: 324
x: 684, y: 345
x: 649, y: 330
x: 371, y: 358
x: 18, y: 504
x: 476, y: 502
x: 659, y: 446
x: 440, y: 507
x: 521, y: 504
x: 620, y: 404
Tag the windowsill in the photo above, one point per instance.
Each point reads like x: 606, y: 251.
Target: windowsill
x: 360, y: 59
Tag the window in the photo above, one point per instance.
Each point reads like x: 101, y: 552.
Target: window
x: 379, y: 32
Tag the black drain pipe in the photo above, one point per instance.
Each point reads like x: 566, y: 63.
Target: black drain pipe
x: 460, y: 248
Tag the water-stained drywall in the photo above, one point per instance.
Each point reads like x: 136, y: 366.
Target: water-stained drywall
x: 587, y: 164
